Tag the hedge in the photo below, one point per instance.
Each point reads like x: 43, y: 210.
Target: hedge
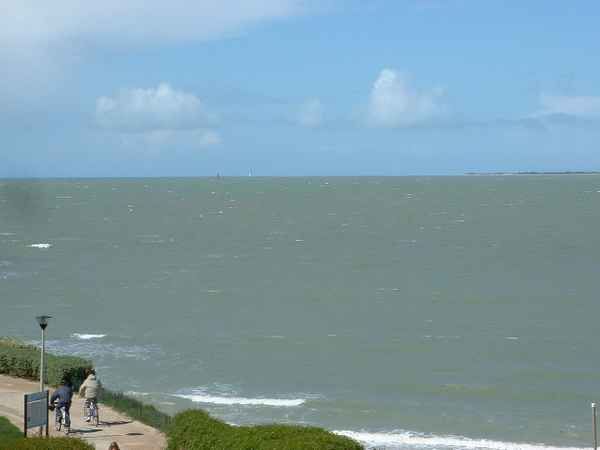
x: 62, y: 443
x: 22, y: 360
x: 196, y: 430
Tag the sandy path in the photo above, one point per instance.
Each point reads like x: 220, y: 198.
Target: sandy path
x: 114, y: 426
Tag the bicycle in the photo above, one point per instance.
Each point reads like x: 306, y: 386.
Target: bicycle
x: 62, y: 418
x: 91, y: 411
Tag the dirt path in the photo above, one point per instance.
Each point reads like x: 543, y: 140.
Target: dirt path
x: 114, y: 426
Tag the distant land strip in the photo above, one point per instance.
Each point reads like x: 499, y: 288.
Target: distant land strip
x: 564, y: 172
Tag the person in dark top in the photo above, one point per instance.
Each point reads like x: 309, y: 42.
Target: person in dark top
x: 63, y: 395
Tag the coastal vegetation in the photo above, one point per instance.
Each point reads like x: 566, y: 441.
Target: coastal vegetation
x: 11, y: 438
x: 135, y: 409
x: 189, y: 430
x: 36, y: 443
x: 197, y: 430
x: 8, y: 430
x: 19, y: 359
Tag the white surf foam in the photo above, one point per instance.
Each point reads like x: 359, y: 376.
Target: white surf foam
x: 413, y: 440
x: 217, y: 400
x: 42, y: 245
x: 87, y: 337
x: 97, y: 349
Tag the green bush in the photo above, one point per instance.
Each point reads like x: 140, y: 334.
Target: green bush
x: 196, y: 430
x: 18, y: 359
x: 63, y: 443
x: 135, y: 409
x: 8, y: 430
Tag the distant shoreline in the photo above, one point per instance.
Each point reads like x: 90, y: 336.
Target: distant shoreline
x: 566, y: 172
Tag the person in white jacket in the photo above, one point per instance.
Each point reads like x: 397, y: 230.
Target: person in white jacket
x: 89, y: 390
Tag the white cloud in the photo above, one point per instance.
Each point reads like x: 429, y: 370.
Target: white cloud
x: 158, y: 116
x: 41, y: 39
x: 161, y: 108
x: 394, y: 103
x: 132, y: 21
x: 578, y: 106
x: 311, y: 113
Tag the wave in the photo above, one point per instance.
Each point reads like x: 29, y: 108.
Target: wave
x: 407, y: 439
x: 96, y: 349
x: 86, y: 337
x: 42, y: 245
x: 218, y: 400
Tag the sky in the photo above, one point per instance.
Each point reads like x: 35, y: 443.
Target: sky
x: 298, y: 87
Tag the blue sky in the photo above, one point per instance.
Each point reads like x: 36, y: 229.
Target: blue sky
x: 291, y: 87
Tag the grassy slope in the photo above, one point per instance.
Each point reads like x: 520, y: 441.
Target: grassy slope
x: 8, y: 430
x: 196, y: 430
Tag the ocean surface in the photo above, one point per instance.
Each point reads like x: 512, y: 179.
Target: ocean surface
x: 410, y: 312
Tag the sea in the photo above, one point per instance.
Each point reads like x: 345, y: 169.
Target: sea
x: 406, y: 312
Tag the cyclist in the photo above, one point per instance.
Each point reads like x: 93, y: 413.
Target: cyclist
x: 89, y: 389
x: 63, y: 396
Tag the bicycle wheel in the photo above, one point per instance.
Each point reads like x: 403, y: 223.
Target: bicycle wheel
x: 67, y: 419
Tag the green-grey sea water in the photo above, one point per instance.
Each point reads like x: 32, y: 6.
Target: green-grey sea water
x: 418, y: 312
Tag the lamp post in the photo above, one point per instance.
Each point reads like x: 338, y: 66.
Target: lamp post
x: 43, y: 323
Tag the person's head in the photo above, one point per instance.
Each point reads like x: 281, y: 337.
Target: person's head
x: 114, y: 446
x: 65, y: 380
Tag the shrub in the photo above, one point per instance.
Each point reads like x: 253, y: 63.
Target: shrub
x: 196, y: 430
x: 22, y: 360
x: 135, y: 409
x: 37, y: 443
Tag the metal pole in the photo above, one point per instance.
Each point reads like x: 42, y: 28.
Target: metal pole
x: 594, y: 426
x: 25, y: 416
x: 47, y: 415
x: 42, y: 360
x: 42, y: 365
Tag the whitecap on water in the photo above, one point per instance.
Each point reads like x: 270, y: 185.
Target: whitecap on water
x: 97, y: 348
x: 42, y: 245
x: 85, y: 337
x: 203, y: 397
x: 407, y: 439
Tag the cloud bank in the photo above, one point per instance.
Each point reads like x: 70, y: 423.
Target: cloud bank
x: 162, y: 115
x: 577, y: 106
x: 39, y: 40
x: 394, y: 103
x: 31, y: 22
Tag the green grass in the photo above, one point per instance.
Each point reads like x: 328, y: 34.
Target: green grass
x: 11, y: 438
x: 135, y: 409
x: 8, y: 430
x: 196, y: 430
x: 63, y: 443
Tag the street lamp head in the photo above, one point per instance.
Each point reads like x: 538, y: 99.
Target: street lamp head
x: 43, y: 321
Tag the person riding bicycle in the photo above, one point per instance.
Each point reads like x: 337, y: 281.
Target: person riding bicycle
x: 63, y: 396
x: 89, y: 389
